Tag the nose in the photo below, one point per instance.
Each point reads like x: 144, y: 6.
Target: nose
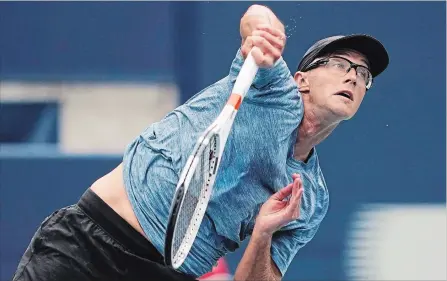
x: 351, y: 76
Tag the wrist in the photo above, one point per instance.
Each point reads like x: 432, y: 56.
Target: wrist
x: 261, y: 232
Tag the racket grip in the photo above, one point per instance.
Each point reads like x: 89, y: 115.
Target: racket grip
x: 246, y: 76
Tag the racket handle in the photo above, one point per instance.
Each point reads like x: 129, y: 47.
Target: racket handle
x: 246, y: 75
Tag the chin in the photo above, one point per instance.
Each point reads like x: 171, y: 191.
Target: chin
x: 348, y: 115
x: 343, y: 113
x: 346, y: 118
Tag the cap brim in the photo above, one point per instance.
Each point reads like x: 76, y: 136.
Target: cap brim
x: 370, y: 47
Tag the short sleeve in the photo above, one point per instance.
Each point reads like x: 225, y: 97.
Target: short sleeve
x: 265, y: 76
x: 286, y: 244
x: 287, y: 241
x: 272, y: 87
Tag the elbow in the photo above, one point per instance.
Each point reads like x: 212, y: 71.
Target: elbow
x: 261, y: 11
x: 257, y: 9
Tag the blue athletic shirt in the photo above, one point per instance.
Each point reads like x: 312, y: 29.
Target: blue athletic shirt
x: 257, y: 162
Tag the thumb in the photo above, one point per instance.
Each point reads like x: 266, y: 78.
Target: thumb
x: 257, y: 55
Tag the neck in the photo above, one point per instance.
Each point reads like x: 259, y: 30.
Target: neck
x: 312, y: 130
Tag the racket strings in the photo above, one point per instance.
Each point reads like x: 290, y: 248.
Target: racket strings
x: 195, y: 201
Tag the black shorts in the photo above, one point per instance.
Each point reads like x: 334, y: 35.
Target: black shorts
x: 89, y: 241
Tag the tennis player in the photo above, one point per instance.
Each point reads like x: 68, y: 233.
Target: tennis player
x: 269, y: 188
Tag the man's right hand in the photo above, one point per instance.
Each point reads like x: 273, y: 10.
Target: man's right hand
x: 262, y: 29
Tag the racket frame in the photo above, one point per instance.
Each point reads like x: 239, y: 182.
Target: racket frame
x: 220, y: 127
x: 181, y: 190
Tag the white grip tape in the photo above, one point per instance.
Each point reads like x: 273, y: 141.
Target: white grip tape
x: 246, y: 76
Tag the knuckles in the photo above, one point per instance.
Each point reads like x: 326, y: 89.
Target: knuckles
x: 270, y: 51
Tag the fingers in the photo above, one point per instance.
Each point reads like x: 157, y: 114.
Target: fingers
x: 289, y: 189
x: 266, y: 55
x: 293, y: 208
x: 275, y: 42
x: 296, y: 181
x: 270, y: 42
x: 274, y: 31
x: 294, y: 176
x: 284, y: 192
x: 260, y: 59
x: 273, y: 35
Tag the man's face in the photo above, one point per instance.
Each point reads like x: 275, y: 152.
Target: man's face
x: 338, y: 95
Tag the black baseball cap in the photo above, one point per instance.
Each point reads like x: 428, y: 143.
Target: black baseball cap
x: 369, y: 46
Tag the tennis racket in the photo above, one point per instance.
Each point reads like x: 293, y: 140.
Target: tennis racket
x: 196, y: 181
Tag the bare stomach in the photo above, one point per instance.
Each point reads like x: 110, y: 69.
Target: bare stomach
x: 110, y: 188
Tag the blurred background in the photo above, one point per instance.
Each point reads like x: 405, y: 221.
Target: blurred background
x: 80, y: 80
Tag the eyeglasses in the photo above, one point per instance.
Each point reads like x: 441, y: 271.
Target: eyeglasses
x: 342, y: 66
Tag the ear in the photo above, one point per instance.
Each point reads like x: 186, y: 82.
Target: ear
x: 302, y: 81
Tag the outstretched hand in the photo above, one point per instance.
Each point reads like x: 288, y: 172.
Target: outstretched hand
x: 277, y: 212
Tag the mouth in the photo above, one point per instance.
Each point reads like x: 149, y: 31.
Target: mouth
x: 346, y: 94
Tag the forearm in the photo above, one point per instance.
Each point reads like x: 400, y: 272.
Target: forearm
x: 257, y: 263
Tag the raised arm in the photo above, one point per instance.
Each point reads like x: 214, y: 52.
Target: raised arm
x: 260, y: 28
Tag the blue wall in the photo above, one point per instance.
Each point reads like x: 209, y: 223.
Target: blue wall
x: 392, y: 151
x: 86, y: 40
